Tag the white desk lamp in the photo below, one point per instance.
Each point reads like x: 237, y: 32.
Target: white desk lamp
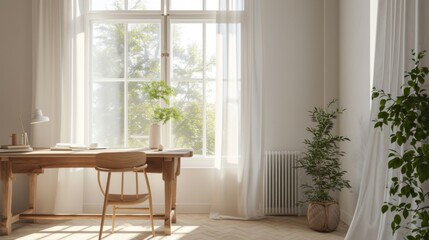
x: 36, y: 117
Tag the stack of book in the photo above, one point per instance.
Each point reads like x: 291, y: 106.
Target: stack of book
x: 15, y: 148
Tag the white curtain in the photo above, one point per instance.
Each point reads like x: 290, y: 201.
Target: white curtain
x: 57, y: 73
x: 238, y: 180
x: 397, y: 34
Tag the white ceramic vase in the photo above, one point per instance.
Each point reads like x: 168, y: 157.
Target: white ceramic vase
x: 154, y: 135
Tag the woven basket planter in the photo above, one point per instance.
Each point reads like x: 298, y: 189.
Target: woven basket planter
x: 323, y: 217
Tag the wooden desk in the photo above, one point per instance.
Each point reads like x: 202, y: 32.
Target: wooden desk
x: 166, y: 162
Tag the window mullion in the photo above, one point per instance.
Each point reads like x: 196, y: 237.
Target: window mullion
x: 204, y: 92
x: 165, y: 56
x: 88, y: 110
x: 125, y: 85
x: 165, y: 38
x: 165, y: 7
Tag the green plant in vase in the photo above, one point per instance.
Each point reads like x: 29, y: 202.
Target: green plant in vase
x: 321, y: 162
x: 160, y: 111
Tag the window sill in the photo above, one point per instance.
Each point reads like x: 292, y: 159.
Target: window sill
x: 197, y: 162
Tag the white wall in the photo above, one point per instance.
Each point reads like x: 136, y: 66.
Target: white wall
x: 354, y: 91
x: 15, y: 79
x: 296, y: 78
x: 292, y: 69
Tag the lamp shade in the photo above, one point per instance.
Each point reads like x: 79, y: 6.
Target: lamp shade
x: 38, y: 117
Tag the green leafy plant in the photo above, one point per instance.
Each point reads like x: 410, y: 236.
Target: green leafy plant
x: 159, y: 91
x: 408, y: 118
x: 321, y: 159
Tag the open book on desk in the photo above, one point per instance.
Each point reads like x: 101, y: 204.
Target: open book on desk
x: 74, y: 147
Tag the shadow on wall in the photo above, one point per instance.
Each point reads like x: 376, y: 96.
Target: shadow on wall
x: 19, y: 195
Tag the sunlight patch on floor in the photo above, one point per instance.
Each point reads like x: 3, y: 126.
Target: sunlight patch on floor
x: 125, y: 231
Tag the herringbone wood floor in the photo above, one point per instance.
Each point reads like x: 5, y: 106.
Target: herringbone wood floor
x: 188, y: 226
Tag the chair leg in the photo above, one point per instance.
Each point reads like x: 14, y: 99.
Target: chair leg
x: 102, y: 220
x: 150, y: 202
x: 151, y: 216
x: 104, y: 207
x: 113, y: 217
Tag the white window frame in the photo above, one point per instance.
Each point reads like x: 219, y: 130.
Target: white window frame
x: 166, y: 18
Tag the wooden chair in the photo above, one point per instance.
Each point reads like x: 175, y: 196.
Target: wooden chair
x: 122, y: 162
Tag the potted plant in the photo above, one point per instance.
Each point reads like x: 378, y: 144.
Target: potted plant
x: 321, y: 162
x: 159, y: 93
x: 407, y: 116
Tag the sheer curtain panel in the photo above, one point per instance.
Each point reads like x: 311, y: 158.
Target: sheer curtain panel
x: 397, y: 34
x: 57, y: 73
x: 238, y: 178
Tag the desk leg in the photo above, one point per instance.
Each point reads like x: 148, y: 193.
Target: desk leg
x: 32, y: 190
x: 168, y: 177
x: 173, y: 198
x: 176, y: 174
x: 6, y: 179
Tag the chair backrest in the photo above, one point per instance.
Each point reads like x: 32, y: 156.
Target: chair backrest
x: 120, y: 160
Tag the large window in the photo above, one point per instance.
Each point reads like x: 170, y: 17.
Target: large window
x: 136, y: 41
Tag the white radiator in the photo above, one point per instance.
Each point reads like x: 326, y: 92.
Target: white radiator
x: 281, y: 183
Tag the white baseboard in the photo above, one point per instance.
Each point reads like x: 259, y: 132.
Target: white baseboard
x: 193, y: 208
x: 346, y: 217
x: 158, y: 208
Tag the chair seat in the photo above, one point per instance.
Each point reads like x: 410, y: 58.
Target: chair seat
x: 115, y: 199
